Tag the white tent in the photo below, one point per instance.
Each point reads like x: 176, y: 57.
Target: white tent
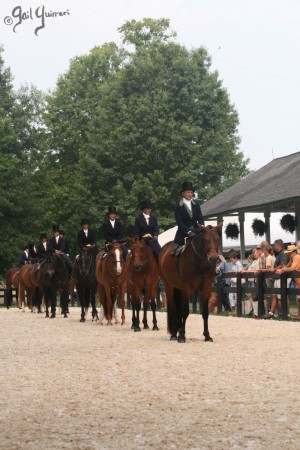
x: 167, y: 236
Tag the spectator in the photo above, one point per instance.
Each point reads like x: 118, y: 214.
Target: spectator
x: 293, y: 264
x: 251, y: 301
x: 281, y: 261
x: 222, y: 268
x: 236, y: 266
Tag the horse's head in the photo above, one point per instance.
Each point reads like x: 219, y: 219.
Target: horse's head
x: 85, y: 260
x: 138, y: 249
x: 211, y: 239
x: 116, y: 253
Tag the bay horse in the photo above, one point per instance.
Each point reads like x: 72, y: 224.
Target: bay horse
x: 26, y: 283
x: 142, y: 279
x: 83, y: 274
x: 194, y: 270
x: 112, y: 279
x: 55, y: 276
x: 11, y: 279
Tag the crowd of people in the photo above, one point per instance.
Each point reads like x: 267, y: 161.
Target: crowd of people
x: 263, y: 258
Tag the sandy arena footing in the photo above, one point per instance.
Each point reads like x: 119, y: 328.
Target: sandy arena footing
x: 72, y: 385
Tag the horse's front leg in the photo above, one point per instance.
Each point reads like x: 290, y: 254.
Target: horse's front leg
x: 145, y: 309
x: 108, y: 304
x: 122, y: 303
x: 53, y: 303
x: 184, y: 313
x: 136, y: 306
x: 153, y: 307
x: 64, y: 302
x: 93, y: 303
x: 205, y: 314
x: 115, y: 304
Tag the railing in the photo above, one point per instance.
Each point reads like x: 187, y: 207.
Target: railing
x: 260, y: 289
x: 2, y: 295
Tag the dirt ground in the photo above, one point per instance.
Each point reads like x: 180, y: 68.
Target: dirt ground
x: 71, y: 385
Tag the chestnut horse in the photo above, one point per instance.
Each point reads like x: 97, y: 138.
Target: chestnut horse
x: 83, y: 274
x: 11, y: 279
x: 29, y: 281
x: 142, y: 279
x: 55, y: 276
x: 111, y: 278
x: 195, y: 270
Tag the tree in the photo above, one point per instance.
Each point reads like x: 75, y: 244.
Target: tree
x: 164, y: 118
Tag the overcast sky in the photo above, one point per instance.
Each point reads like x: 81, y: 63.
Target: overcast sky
x: 255, y: 46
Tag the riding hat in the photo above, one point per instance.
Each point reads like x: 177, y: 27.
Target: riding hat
x: 187, y: 186
x: 55, y: 228
x: 43, y: 236
x: 112, y: 209
x: 85, y: 221
x: 145, y: 204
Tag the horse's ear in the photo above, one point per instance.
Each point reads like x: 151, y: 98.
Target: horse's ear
x: 220, y: 224
x: 129, y: 239
x: 202, y: 227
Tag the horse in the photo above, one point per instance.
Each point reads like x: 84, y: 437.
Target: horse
x: 55, y: 276
x: 194, y: 270
x: 26, y: 284
x: 83, y: 273
x: 142, y: 279
x: 11, y: 279
x: 112, y: 279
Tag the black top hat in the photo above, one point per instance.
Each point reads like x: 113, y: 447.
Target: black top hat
x: 145, y: 204
x: 112, y: 209
x: 85, y: 221
x: 43, y: 236
x: 55, y: 228
x: 187, y: 186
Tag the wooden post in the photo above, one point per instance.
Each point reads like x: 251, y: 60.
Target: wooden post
x: 267, y: 215
x: 297, y: 216
x: 242, y: 235
x: 239, y: 310
x: 283, y: 293
x: 260, y: 294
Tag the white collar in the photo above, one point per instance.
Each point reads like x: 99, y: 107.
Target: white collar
x: 147, y: 216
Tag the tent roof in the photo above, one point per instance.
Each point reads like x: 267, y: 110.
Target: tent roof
x: 275, y: 185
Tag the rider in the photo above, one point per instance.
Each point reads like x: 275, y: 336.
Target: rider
x: 113, y: 229
x: 146, y: 226
x: 42, y: 248
x: 86, y: 236
x: 187, y: 215
x: 24, y: 256
x: 57, y: 245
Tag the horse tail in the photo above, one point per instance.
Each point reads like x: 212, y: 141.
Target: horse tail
x: 174, y: 311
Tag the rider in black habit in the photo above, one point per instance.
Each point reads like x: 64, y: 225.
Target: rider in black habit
x: 57, y: 245
x: 86, y: 236
x: 113, y: 229
x: 187, y: 215
x: 42, y: 248
x: 146, y: 225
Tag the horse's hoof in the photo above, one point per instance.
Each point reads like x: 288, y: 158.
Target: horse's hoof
x: 173, y: 338
x: 52, y: 316
x: 137, y: 329
x: 65, y: 316
x: 155, y: 328
x: 209, y: 339
x: 181, y: 339
x: 146, y: 326
x: 82, y: 320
